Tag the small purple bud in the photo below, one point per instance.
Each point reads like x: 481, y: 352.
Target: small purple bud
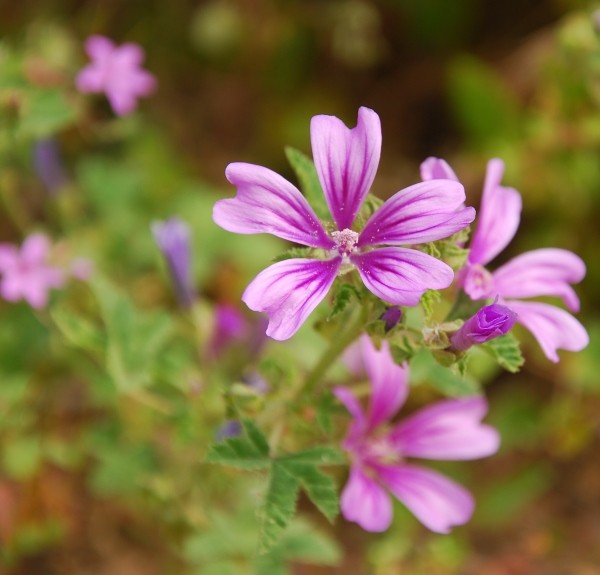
x: 231, y: 428
x: 173, y: 239
x: 256, y: 382
x: 48, y: 165
x: 391, y: 316
x: 489, y: 322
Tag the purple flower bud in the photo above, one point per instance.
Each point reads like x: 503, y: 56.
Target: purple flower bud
x: 48, y: 165
x: 231, y: 428
x: 173, y: 239
x: 230, y: 326
x: 391, y: 316
x: 489, y: 322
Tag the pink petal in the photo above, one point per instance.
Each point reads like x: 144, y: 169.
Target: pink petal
x: 11, y: 287
x: 365, y: 502
x: 35, y: 249
x: 389, y: 381
x: 35, y: 293
x: 267, y: 203
x: 554, y: 328
x: 346, y: 161
x: 541, y: 272
x: 499, y: 216
x: 99, y: 47
x: 437, y: 169
x: 128, y: 55
x: 425, y: 212
x: 400, y: 276
x: 9, y: 257
x: 122, y: 101
x: 449, y: 430
x: 359, y: 423
x: 435, y: 500
x: 90, y: 79
x: 289, y: 291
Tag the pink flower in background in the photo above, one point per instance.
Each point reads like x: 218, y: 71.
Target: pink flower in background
x: 543, y: 272
x: 447, y: 430
x: 116, y: 71
x: 346, y: 161
x: 25, y: 272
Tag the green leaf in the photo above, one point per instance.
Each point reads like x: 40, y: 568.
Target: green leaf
x: 304, y: 168
x: 319, y: 487
x: 248, y: 452
x: 426, y: 370
x: 279, y: 506
x: 46, y: 112
x: 343, y: 296
x: 78, y: 331
x: 317, y: 456
x: 428, y: 301
x: 507, y: 351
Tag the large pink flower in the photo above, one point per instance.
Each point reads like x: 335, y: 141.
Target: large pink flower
x: 542, y: 272
x: 447, y: 430
x: 25, y: 272
x: 346, y: 161
x: 116, y: 71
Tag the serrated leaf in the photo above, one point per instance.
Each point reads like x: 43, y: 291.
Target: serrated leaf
x: 507, y: 351
x: 428, y: 301
x: 304, y: 169
x: 321, y: 455
x: 293, y: 253
x: 319, y: 487
x: 342, y: 299
x: 279, y: 506
x: 248, y: 452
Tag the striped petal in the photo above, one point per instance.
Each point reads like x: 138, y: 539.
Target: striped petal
x: 289, y: 291
x: 346, y: 161
x: 425, y: 212
x: 499, y: 216
x: 400, y: 276
x: 541, y: 272
x: 553, y: 327
x: 267, y: 203
x: 447, y: 430
x: 436, y: 501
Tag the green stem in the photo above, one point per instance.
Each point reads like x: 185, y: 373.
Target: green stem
x: 345, y: 336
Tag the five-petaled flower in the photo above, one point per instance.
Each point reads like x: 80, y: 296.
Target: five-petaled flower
x: 25, y: 272
x: 542, y: 272
x: 346, y: 161
x: 447, y: 430
x: 116, y: 71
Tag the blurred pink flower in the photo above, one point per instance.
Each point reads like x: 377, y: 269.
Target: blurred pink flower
x: 116, y: 71
x: 542, y: 272
x: 447, y: 430
x: 25, y: 272
x: 346, y: 161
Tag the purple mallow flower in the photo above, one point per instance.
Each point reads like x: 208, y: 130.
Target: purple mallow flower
x: 346, y: 161
x: 543, y: 272
x: 25, y: 272
x: 490, y: 322
x: 447, y: 430
x: 116, y: 71
x: 173, y: 239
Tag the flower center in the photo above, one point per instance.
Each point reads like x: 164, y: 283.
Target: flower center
x: 478, y: 282
x: 345, y: 241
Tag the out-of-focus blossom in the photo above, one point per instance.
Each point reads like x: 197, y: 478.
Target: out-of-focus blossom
x: 116, y: 71
x: 48, y: 165
x: 447, y: 430
x: 231, y: 428
x: 346, y: 161
x: 25, y: 273
x: 173, y: 239
x: 542, y: 272
x: 490, y: 322
x: 230, y: 326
